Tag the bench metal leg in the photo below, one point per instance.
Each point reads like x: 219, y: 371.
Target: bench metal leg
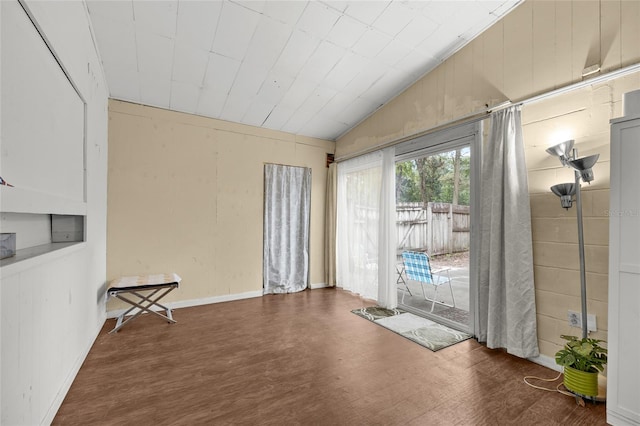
x: 145, y: 304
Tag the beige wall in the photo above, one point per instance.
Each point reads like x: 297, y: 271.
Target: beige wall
x: 582, y: 115
x: 185, y: 195
x: 539, y: 47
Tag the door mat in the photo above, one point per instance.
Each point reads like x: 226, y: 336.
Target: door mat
x: 420, y: 330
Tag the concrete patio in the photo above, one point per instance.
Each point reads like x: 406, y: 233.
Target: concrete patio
x: 458, y: 266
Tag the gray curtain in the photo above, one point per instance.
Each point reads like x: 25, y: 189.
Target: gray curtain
x: 331, y: 209
x: 506, y: 294
x: 287, y: 204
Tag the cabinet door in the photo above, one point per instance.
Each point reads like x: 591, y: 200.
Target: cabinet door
x: 624, y: 273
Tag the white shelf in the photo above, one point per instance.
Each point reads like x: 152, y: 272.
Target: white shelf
x: 31, y: 257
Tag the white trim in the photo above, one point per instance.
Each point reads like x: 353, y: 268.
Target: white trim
x: 615, y: 418
x: 66, y: 385
x: 319, y: 285
x: 621, y: 72
x: 546, y: 361
x: 196, y: 302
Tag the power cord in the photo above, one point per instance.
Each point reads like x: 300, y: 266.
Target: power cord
x: 579, y: 400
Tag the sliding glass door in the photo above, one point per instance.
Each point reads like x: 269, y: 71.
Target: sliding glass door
x: 424, y: 203
x: 434, y: 214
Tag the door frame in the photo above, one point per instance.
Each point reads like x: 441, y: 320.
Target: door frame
x: 470, y: 134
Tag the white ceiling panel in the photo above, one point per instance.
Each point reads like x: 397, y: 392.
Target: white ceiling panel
x: 297, y: 51
x: 257, y: 113
x: 393, y: 52
x: 235, y: 30
x: 318, y: 19
x: 359, y: 109
x: 248, y: 80
x: 346, y: 32
x: 371, y: 43
x: 155, y: 55
x: 255, y: 5
x: 274, y: 87
x: 416, y: 63
x: 189, y: 64
x: 394, y: 19
x: 211, y: 102
x: 298, y: 120
x: 155, y: 92
x: 197, y: 23
x: 475, y: 15
x: 385, y: 86
x: 268, y: 41
x: 324, y: 128
x: 278, y: 117
x: 311, y: 67
x: 125, y: 84
x: 184, y: 97
x: 442, y: 12
x: 121, y: 11
x: 417, y: 30
x: 366, y: 11
x: 345, y: 71
x: 322, y: 61
x: 338, y: 5
x: 333, y: 109
x: 298, y: 93
x: 157, y: 17
x: 287, y: 12
x: 318, y: 99
x: 235, y: 107
x: 366, y: 78
x: 503, y: 8
x: 117, y: 52
x: 221, y: 73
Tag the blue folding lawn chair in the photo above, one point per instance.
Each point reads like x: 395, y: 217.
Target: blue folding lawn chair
x: 418, y: 268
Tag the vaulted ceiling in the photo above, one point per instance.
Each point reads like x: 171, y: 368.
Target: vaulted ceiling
x: 315, y: 68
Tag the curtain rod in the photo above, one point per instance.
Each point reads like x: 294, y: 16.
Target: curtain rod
x: 481, y: 115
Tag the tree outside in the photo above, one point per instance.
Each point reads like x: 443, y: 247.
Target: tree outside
x: 442, y: 178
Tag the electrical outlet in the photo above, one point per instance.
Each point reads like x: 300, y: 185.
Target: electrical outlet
x: 575, y: 320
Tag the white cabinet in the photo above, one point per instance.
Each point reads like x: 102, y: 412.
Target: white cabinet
x: 623, y: 374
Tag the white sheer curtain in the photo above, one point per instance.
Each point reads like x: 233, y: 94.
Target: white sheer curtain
x: 366, y: 227
x: 506, y: 294
x: 387, y: 293
x: 287, y: 206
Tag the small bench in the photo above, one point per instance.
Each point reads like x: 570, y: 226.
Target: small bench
x: 156, y: 286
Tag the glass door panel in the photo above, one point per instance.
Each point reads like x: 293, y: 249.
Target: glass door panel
x: 433, y: 216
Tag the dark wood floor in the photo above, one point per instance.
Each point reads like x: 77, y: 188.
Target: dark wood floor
x: 301, y: 359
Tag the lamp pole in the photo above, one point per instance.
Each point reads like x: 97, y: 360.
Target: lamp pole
x: 583, y: 274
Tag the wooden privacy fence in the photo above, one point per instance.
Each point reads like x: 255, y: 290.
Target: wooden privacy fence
x: 441, y: 228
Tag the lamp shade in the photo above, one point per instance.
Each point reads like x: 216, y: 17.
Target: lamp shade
x: 584, y: 165
x: 562, y: 150
x: 565, y: 191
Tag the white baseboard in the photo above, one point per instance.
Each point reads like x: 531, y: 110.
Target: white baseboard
x: 195, y: 302
x: 546, y: 361
x: 617, y: 419
x: 319, y: 285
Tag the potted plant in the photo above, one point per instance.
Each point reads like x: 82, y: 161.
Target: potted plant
x: 582, y: 360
